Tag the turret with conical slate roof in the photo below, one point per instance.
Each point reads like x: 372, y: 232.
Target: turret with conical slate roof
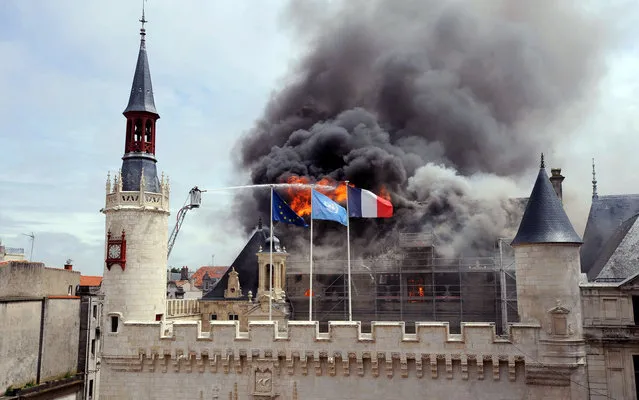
x: 548, y: 273
x: 545, y: 220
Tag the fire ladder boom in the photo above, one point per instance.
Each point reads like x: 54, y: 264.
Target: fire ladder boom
x: 195, y: 197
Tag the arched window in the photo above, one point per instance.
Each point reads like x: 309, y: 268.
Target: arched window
x: 147, y: 131
x: 268, y: 273
x: 137, y: 135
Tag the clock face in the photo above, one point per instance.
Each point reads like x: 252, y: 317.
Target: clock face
x: 114, y: 251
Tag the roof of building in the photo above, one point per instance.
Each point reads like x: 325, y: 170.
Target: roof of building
x: 213, y: 272
x: 87, y: 280
x: 181, y: 283
x: 141, y: 98
x: 619, y: 256
x: 545, y: 220
x: 133, y: 165
x: 245, y: 265
x: 607, y: 214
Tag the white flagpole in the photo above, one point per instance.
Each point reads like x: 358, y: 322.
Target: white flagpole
x: 348, y: 255
x: 270, y: 274
x: 310, y: 294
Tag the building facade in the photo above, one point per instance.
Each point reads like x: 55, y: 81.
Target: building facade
x: 39, y: 331
x: 146, y: 355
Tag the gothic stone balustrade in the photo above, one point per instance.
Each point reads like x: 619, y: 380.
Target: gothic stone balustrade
x: 176, y: 308
x: 118, y: 200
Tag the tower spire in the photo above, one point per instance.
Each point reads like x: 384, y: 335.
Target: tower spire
x: 141, y: 115
x: 141, y: 98
x: 143, y: 21
x: 594, y: 181
x: 543, y: 163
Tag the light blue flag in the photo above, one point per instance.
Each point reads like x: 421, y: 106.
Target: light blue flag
x: 325, y: 208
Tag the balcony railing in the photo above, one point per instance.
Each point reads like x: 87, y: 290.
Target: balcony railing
x: 182, y: 307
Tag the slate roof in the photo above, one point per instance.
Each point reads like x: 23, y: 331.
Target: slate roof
x: 545, y: 220
x: 141, y: 98
x: 619, y: 258
x: 132, y: 166
x: 246, y: 266
x: 607, y: 214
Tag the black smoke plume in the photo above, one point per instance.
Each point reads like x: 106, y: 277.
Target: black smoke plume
x: 441, y: 102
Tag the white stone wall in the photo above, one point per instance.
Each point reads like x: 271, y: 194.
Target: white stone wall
x: 547, y: 277
x: 139, y: 291
x: 61, y: 337
x: 613, y: 339
x: 24, y: 278
x: 19, y: 339
x: 164, y: 360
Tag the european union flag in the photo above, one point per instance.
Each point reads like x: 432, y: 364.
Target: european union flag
x: 283, y: 213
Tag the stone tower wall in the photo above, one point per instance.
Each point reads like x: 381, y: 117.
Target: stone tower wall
x: 547, y: 278
x: 138, y: 292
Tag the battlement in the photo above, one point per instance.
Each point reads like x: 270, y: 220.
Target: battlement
x: 182, y: 345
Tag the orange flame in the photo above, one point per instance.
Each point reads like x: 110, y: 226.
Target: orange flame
x: 383, y: 193
x: 300, y: 198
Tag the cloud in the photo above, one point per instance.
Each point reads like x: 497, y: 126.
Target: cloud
x: 66, y: 74
x: 67, y: 69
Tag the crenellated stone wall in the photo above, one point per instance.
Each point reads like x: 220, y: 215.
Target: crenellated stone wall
x: 301, y: 362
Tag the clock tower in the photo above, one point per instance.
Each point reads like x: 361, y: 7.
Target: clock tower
x: 136, y: 210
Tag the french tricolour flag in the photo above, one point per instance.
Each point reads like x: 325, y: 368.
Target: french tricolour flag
x: 365, y: 204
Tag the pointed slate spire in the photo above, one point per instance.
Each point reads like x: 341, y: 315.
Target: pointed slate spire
x: 141, y: 98
x: 545, y: 220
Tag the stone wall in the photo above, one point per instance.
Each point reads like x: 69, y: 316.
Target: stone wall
x: 61, y: 337
x: 139, y: 290
x: 548, y: 279
x: 20, y: 339
x: 33, y: 279
x: 164, y: 360
x: 613, y: 340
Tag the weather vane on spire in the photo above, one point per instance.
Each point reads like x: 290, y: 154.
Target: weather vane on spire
x: 543, y: 164
x: 143, y: 21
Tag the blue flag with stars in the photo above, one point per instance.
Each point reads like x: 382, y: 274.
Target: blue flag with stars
x: 283, y: 213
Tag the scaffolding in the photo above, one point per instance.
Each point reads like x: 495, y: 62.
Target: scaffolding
x: 413, y: 285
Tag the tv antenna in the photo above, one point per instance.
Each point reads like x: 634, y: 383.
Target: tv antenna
x: 32, y: 236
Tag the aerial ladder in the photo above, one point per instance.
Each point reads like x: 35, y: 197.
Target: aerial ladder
x: 193, y: 201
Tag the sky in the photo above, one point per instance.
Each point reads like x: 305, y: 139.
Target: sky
x: 66, y: 75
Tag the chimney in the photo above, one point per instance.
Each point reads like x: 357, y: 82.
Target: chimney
x: 556, y: 179
x: 68, y: 266
x: 184, y: 274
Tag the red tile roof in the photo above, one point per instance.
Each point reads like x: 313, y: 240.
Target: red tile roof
x: 181, y: 283
x: 214, y: 272
x: 86, y: 280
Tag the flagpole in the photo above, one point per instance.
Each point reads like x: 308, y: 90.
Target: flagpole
x: 270, y: 275
x: 348, y: 255
x: 310, y: 294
